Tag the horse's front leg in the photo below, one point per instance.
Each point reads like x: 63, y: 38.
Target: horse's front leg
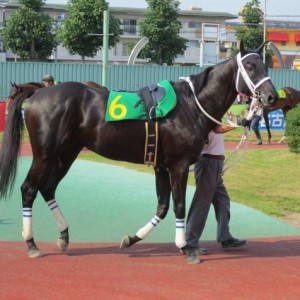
x: 163, y: 191
x: 179, y: 177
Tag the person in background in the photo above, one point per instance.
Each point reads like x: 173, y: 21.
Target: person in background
x: 210, y: 189
x: 255, y: 125
x: 48, y: 80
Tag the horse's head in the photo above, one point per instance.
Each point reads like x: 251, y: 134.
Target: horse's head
x: 18, y: 89
x: 252, y: 76
x: 15, y: 91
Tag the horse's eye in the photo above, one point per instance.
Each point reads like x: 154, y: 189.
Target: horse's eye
x: 249, y: 67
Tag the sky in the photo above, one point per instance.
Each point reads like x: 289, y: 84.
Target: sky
x: 274, y: 8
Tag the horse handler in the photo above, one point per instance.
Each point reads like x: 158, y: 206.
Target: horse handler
x: 210, y: 189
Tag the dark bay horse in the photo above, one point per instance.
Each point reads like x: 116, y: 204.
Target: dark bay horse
x: 63, y: 119
x: 288, y: 99
x: 18, y: 89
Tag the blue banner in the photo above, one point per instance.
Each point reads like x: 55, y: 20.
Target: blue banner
x: 276, y: 121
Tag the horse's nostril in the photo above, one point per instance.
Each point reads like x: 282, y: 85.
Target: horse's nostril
x: 271, y: 100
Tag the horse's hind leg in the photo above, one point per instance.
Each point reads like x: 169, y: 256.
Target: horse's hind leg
x: 58, y: 171
x: 284, y: 111
x: 44, y: 175
x: 29, y: 191
x: 163, y: 190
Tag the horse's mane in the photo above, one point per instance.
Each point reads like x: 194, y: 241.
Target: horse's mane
x: 200, y: 80
x: 38, y: 84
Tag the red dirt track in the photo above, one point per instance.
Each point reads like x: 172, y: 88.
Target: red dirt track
x: 264, y: 269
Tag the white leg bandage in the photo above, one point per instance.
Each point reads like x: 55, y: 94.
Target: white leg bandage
x: 27, y: 232
x: 59, y: 218
x: 144, y: 231
x: 180, y: 233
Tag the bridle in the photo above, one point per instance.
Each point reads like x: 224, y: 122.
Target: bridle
x: 240, y: 73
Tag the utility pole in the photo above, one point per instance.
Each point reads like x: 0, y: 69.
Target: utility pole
x: 105, y: 47
x: 105, y: 44
x: 265, y: 32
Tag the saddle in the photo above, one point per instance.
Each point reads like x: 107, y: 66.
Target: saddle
x: 149, y: 103
x: 152, y: 95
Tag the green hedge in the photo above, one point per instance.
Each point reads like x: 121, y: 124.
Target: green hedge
x: 293, y: 129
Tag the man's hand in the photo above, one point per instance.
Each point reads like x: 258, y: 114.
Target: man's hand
x: 245, y: 122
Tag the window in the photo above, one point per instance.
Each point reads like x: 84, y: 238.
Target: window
x: 129, y: 27
x: 125, y: 49
x: 194, y: 24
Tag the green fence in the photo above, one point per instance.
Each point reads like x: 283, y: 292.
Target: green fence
x: 118, y: 76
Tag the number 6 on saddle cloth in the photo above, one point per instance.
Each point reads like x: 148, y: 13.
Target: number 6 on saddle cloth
x: 149, y: 103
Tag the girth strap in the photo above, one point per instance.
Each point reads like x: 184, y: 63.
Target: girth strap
x: 151, y: 127
x: 150, y: 157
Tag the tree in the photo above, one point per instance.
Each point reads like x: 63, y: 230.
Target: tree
x: 28, y: 32
x: 86, y: 17
x: 292, y: 129
x: 162, y: 29
x: 252, y: 33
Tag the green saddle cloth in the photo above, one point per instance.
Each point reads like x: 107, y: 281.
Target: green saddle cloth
x: 124, y: 105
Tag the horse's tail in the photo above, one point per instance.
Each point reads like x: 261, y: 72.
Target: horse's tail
x: 11, y: 144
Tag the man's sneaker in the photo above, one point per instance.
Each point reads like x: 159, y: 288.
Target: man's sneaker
x: 191, y: 257
x: 233, y: 243
x: 201, y: 251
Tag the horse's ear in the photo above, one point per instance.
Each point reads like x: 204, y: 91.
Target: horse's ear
x: 260, y: 49
x: 11, y: 84
x: 242, y: 48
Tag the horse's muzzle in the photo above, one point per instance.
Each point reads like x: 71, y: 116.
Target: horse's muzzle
x: 272, y: 99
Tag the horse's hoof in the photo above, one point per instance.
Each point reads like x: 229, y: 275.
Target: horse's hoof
x: 125, y: 243
x: 62, y: 245
x: 34, y: 253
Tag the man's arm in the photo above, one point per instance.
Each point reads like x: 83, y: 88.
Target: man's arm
x: 223, y: 128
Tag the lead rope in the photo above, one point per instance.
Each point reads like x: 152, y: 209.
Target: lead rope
x: 252, y: 111
x: 244, y: 135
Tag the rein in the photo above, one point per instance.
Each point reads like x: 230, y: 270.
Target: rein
x: 252, y: 87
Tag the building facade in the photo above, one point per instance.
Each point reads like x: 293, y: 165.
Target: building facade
x: 285, y: 36
x: 203, y: 30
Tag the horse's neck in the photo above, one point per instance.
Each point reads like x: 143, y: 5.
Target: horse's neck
x: 218, y: 94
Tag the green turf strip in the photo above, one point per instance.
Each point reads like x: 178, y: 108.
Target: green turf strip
x: 102, y: 203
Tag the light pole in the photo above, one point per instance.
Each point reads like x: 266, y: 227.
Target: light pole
x: 105, y: 45
x: 265, y: 32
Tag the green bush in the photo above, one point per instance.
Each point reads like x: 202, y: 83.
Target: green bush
x: 292, y: 129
